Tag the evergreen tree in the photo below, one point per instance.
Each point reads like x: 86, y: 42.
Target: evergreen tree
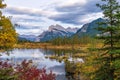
x: 109, y: 62
x: 8, y: 36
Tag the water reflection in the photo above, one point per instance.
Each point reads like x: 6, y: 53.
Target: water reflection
x: 38, y: 57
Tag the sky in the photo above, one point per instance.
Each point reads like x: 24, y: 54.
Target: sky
x: 35, y: 16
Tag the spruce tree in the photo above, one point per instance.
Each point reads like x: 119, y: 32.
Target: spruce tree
x: 109, y: 59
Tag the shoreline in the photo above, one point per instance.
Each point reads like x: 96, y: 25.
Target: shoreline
x: 50, y: 46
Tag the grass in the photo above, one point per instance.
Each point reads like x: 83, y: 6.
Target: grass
x: 50, y: 46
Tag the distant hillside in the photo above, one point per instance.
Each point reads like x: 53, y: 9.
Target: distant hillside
x: 89, y: 28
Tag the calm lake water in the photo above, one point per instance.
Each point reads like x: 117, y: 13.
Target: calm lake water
x: 38, y: 57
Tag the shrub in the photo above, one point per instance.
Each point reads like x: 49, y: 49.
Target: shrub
x: 23, y: 71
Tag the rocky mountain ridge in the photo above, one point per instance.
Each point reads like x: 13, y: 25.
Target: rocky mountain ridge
x: 55, y: 31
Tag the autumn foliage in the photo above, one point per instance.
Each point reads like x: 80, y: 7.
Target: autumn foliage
x: 8, y: 35
x: 23, y: 71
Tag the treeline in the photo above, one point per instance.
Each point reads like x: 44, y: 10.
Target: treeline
x: 23, y: 40
x: 74, y: 40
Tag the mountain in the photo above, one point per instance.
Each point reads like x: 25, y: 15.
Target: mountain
x: 28, y: 37
x: 55, y: 31
x: 73, y: 30
x: 89, y: 28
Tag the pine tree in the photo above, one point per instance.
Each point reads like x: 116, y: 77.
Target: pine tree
x: 109, y: 62
x: 8, y: 36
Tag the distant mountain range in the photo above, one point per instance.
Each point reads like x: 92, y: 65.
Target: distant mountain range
x: 28, y: 37
x: 55, y: 31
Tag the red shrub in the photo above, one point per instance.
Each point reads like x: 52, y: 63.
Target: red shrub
x: 23, y: 71
x: 27, y: 71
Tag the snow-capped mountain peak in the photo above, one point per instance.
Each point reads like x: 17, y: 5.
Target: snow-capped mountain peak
x: 55, y: 31
x: 56, y: 27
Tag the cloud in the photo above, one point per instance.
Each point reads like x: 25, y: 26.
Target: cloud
x: 27, y: 27
x: 29, y: 32
x: 89, y: 17
x: 30, y: 29
x: 66, y: 18
x: 25, y: 18
x: 28, y: 11
x: 73, y: 13
x: 69, y: 12
x: 23, y: 11
x: 26, y: 22
x: 72, y: 3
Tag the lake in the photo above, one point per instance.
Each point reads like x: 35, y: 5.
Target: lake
x: 39, y: 59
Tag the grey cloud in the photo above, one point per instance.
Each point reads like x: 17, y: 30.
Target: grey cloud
x: 73, y: 14
x: 30, y: 31
x: 32, y: 20
x: 27, y: 27
x: 71, y: 8
x: 70, y: 14
x: 70, y: 18
x: 22, y: 11
x: 26, y: 20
